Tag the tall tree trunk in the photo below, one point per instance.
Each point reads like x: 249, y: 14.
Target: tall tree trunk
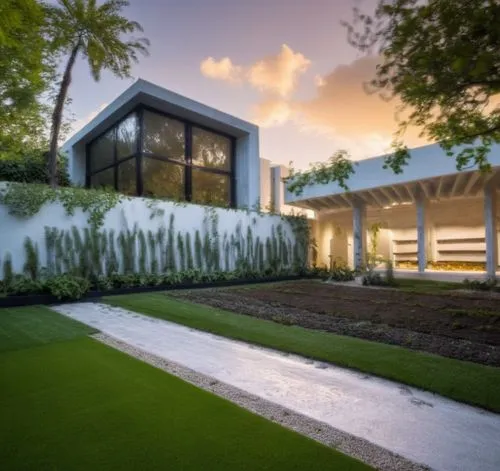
x: 57, y: 115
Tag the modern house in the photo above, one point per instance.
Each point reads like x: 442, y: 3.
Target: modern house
x: 151, y: 141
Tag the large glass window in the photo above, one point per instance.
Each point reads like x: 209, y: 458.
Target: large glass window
x: 104, y: 179
x: 163, y: 179
x: 175, y: 159
x: 127, y: 177
x: 102, y: 151
x: 164, y: 136
x: 211, y: 150
x: 210, y: 188
x: 127, y: 134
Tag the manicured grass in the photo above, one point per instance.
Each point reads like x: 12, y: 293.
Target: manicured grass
x: 427, y: 286
x: 79, y: 405
x: 23, y: 327
x: 463, y: 381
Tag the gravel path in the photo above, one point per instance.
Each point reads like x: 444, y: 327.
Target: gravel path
x: 422, y: 427
x: 353, y: 446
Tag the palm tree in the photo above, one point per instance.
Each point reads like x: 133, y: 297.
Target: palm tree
x: 81, y: 26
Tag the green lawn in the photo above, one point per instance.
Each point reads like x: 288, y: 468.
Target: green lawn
x: 36, y: 325
x: 459, y: 380
x: 427, y: 286
x: 76, y: 404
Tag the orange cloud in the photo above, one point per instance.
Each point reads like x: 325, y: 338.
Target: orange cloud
x: 279, y: 73
x: 223, y: 69
x: 272, y: 112
x: 276, y: 74
x: 343, y: 109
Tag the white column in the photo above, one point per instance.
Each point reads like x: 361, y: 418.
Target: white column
x: 359, y: 234
x: 490, y: 230
x: 421, y: 234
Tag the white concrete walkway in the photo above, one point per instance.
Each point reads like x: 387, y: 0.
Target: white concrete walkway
x: 420, y: 426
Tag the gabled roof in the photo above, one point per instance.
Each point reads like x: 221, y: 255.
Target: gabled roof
x: 154, y: 96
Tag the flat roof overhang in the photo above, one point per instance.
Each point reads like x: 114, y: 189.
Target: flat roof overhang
x: 430, y: 174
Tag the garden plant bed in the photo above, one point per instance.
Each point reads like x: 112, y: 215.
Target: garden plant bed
x: 455, y: 325
x: 48, y: 299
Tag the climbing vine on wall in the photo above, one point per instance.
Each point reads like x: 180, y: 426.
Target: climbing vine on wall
x: 26, y: 200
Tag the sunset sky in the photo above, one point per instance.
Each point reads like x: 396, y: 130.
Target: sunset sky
x: 283, y: 64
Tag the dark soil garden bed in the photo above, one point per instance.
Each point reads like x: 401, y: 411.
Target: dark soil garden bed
x: 455, y: 325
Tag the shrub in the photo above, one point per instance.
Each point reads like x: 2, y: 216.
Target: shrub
x: 373, y: 279
x: 341, y: 273
x: 32, y: 169
x: 67, y: 287
x: 389, y: 273
x: 481, y: 285
x: 22, y: 285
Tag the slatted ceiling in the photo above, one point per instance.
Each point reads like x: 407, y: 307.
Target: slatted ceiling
x: 466, y: 184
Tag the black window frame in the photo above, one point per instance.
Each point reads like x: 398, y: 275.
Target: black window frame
x: 139, y: 154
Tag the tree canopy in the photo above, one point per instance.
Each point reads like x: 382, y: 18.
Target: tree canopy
x: 103, y: 36
x: 25, y: 74
x: 441, y: 59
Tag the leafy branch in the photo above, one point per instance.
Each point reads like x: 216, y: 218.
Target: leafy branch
x: 338, y: 168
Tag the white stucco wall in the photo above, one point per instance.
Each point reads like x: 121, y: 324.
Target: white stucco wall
x: 129, y: 212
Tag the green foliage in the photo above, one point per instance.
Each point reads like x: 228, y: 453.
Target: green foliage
x: 69, y: 254
x: 372, y: 278
x: 198, y: 250
x: 389, y: 273
x: 67, y: 287
x: 108, y: 259
x: 152, y: 248
x: 160, y: 239
x: 440, y: 60
x: 341, y: 272
x: 112, y: 264
x: 26, y: 72
x: 189, y: 253
x: 23, y: 285
x: 171, y: 263
x: 50, y: 246
x: 32, y: 259
x: 302, y: 234
x: 207, y: 252
x: 181, y: 251
x: 32, y: 168
x: 143, y: 252
x: 8, y: 272
x: 95, y: 31
x: 337, y: 169
x: 59, y: 252
x: 481, y: 285
x: 26, y: 200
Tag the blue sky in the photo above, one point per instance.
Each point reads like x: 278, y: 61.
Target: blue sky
x: 282, y: 64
